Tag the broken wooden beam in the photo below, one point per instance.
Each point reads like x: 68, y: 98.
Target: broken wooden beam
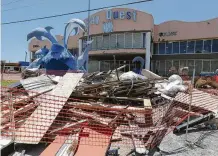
x: 47, y: 112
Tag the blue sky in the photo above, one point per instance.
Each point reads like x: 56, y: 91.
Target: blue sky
x: 13, y: 37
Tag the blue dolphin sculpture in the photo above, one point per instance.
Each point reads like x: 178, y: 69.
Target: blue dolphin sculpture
x: 59, y: 58
x: 42, y: 32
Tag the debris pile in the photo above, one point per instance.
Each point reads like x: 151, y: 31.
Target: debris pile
x: 108, y: 109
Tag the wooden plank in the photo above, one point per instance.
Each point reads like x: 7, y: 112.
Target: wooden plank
x: 54, y: 147
x: 70, y: 146
x: 96, y: 143
x: 148, y: 116
x: 114, y: 121
x: 6, y: 117
x: 50, y: 105
x: 200, y: 100
x: 69, y: 127
x: 38, y: 84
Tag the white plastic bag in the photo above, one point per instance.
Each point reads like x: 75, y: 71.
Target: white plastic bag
x: 131, y: 76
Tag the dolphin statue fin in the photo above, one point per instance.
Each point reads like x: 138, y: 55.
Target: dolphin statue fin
x: 48, y: 28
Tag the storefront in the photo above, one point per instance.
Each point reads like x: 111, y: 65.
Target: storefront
x: 127, y: 33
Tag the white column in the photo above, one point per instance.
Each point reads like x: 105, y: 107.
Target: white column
x: 80, y: 47
x: 148, y: 50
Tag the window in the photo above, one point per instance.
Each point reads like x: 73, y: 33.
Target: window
x: 169, y: 65
x: 162, y: 68
x: 198, y: 67
x: 169, y: 48
x: 199, y: 46
x: 105, y: 42
x: 175, y: 47
x: 215, y: 46
x: 176, y: 64
x: 144, y: 40
x: 191, y: 47
x: 162, y: 47
x: 120, y: 40
x: 183, y: 46
x: 128, y: 40
x: 207, y: 46
x: 99, y: 42
x: 94, y: 43
x: 137, y: 40
x: 155, y: 48
x: 190, y: 65
x: 214, y: 65
x: 206, y: 65
x: 182, y: 63
x: 113, y: 41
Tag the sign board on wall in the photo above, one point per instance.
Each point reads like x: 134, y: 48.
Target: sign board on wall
x: 121, y: 15
x: 107, y: 27
x: 165, y: 34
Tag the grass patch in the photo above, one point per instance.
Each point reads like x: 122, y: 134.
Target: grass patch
x: 5, y: 83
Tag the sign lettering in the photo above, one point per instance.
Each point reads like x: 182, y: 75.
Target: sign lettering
x: 121, y: 15
x: 107, y: 27
x: 163, y: 34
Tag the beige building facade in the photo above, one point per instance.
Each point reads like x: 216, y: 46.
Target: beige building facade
x: 126, y: 33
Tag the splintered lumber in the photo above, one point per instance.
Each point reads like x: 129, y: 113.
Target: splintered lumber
x: 41, y: 119
x: 70, y: 146
x: 137, y: 142
x: 81, y: 114
x: 6, y: 117
x: 148, y: 116
x: 67, y: 128
x: 38, y: 84
x: 54, y: 147
x: 200, y: 100
x: 114, y: 121
x: 96, y: 143
x: 116, y: 135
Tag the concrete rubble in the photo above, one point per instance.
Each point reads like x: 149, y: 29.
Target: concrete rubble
x: 117, y: 109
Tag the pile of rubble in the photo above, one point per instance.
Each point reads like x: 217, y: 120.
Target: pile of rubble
x: 112, y: 108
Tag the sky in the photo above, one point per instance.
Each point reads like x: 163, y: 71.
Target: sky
x: 13, y: 36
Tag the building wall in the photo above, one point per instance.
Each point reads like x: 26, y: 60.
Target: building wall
x: 179, y: 30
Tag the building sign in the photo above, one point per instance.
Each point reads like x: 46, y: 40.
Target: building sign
x: 93, y: 20
x: 107, y: 27
x: 129, y: 15
x: 165, y: 34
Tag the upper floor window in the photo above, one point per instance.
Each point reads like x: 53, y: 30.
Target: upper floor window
x: 175, y: 47
x: 215, y: 46
x: 162, y: 48
x: 183, y: 47
x: 169, y: 47
x: 191, y: 47
x: 199, y: 46
x: 207, y: 46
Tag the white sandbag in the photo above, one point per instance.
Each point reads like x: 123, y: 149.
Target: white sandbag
x: 174, y: 85
x: 175, y: 78
x: 131, y: 76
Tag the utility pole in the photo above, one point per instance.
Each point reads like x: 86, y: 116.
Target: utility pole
x: 87, y: 63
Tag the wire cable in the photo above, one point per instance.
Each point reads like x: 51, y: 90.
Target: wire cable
x: 11, y: 2
x: 26, y: 6
x: 76, y: 12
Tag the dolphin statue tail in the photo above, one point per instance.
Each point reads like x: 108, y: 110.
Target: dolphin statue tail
x: 84, y: 56
x: 42, y: 32
x: 73, y: 24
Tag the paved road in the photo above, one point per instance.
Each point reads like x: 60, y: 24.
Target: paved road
x: 12, y: 76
